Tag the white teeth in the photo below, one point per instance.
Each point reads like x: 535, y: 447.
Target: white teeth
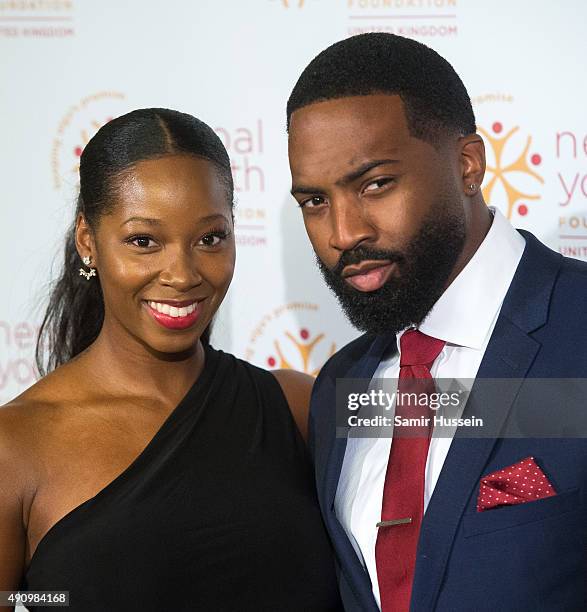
x: 173, y: 311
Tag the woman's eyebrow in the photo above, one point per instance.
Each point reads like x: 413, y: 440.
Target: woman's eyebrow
x: 148, y: 220
x: 152, y: 221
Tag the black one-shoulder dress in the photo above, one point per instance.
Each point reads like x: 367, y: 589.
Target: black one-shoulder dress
x: 218, y: 512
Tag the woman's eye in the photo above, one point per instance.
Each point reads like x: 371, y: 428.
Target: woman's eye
x: 211, y: 240
x: 143, y: 242
x: 312, y: 202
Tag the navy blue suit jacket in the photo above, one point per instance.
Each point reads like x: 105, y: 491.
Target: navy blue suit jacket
x: 531, y: 556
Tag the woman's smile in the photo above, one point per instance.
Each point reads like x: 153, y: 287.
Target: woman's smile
x: 178, y: 315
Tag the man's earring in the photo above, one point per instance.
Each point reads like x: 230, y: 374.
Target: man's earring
x: 472, y: 187
x: 87, y: 261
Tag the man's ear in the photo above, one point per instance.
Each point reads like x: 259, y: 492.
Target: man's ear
x: 472, y: 155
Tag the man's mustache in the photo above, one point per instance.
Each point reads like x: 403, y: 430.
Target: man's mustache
x: 356, y: 256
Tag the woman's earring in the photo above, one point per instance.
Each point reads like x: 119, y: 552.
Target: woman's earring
x: 87, y: 261
x: 472, y: 187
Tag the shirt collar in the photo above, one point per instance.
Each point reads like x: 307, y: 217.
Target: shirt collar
x: 465, y: 313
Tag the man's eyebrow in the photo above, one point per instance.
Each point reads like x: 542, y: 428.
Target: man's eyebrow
x: 358, y: 173
x: 348, y: 178
x: 304, y: 190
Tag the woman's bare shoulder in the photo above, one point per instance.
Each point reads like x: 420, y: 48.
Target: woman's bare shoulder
x: 26, y: 425
x: 20, y: 433
x: 297, y: 388
x: 24, y: 418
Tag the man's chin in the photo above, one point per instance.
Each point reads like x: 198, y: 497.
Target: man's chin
x: 396, y: 301
x: 379, y: 312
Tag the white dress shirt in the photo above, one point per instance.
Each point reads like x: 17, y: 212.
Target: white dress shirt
x: 464, y: 317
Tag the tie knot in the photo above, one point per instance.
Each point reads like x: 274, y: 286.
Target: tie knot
x: 418, y: 349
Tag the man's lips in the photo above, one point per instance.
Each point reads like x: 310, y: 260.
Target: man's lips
x: 368, y: 276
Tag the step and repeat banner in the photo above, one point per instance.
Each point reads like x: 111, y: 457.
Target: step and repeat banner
x: 68, y: 66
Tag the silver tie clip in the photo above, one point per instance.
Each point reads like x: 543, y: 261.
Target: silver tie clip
x: 394, y: 522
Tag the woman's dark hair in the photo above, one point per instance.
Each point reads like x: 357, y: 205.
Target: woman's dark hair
x: 75, y: 312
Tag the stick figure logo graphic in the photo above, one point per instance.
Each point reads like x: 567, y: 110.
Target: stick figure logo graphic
x: 295, y: 336
x: 305, y: 346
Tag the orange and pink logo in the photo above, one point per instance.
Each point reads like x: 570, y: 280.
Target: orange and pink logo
x: 510, y: 165
x: 304, y: 346
x: 283, y: 339
x: 75, y: 129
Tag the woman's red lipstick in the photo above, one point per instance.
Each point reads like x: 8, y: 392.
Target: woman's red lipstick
x: 176, y: 320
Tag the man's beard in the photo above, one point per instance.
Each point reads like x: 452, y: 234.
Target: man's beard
x: 423, y: 270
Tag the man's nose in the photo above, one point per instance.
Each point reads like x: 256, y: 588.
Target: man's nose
x: 349, y: 228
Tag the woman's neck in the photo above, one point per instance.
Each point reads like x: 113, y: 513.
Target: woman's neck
x: 125, y: 366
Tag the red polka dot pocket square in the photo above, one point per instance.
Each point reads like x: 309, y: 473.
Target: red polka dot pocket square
x: 519, y: 483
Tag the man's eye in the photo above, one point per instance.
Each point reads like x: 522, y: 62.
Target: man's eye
x: 312, y: 202
x: 143, y: 242
x: 378, y: 184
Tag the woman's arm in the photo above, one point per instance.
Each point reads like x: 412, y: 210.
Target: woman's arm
x: 12, y: 531
x: 297, y: 388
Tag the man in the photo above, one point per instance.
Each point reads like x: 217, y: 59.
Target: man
x: 387, y: 166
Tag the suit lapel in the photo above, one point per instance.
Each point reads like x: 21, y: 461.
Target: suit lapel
x: 350, y: 563
x: 363, y: 369
x: 509, y: 355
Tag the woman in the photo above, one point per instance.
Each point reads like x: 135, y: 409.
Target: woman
x: 148, y: 471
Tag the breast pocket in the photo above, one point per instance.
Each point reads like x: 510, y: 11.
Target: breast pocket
x: 520, y: 514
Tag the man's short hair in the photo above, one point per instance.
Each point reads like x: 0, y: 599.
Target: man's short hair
x: 435, y: 100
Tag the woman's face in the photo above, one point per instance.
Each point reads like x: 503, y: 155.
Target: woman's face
x: 165, y: 254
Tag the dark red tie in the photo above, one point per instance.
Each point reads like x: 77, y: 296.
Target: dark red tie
x: 403, y: 492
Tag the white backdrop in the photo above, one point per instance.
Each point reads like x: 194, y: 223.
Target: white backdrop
x: 69, y: 65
